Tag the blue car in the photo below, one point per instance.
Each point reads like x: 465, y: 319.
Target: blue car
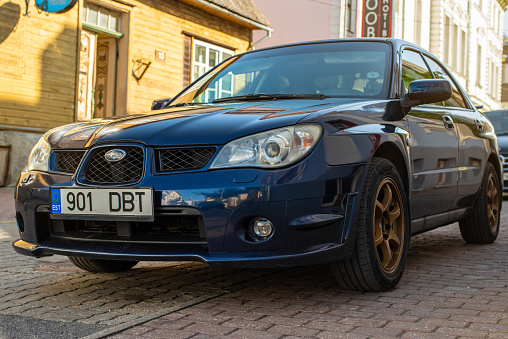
x: 322, y: 152
x: 499, y: 119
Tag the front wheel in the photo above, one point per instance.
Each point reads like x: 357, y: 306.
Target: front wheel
x: 382, y: 233
x: 482, y: 225
x: 101, y: 265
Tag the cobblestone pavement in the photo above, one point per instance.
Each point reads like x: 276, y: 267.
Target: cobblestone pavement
x: 449, y: 289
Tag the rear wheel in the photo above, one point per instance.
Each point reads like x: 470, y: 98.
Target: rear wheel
x: 482, y: 226
x: 101, y: 265
x: 382, y: 237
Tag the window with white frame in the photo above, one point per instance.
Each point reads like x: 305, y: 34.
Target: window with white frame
x: 101, y: 17
x: 206, y: 57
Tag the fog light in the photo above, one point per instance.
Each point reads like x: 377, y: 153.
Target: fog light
x: 260, y: 229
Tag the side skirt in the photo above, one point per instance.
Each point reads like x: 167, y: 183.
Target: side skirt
x: 431, y: 222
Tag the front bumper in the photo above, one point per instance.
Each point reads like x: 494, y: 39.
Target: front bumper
x: 312, y: 206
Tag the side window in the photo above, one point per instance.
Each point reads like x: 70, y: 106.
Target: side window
x: 439, y: 73
x: 413, y: 67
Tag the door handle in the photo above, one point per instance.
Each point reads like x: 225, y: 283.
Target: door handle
x: 448, y: 122
x: 479, y: 124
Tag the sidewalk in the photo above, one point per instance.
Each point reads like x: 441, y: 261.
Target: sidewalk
x: 7, y: 204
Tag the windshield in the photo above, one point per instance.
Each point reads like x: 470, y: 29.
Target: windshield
x: 340, y: 69
x: 499, y: 120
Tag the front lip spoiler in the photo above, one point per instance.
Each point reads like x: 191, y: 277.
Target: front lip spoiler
x: 281, y: 258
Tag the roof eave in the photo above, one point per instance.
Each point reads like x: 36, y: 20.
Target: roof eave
x: 224, y: 13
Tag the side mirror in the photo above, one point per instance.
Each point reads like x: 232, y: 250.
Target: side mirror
x: 160, y: 103
x: 429, y: 91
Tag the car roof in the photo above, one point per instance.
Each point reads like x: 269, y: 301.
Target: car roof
x: 395, y: 42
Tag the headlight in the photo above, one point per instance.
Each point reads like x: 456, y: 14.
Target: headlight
x: 39, y: 156
x: 271, y: 149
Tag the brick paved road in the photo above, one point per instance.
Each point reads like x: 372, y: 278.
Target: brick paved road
x: 449, y: 289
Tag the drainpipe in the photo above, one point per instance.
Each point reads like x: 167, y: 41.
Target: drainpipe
x: 267, y: 36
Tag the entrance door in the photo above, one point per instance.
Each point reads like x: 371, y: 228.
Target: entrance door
x: 86, y: 75
x: 105, y: 79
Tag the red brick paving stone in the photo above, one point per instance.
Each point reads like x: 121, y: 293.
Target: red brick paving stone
x: 252, y: 334
x: 329, y: 326
x: 474, y: 319
x: 369, y: 331
x: 490, y: 327
x: 337, y: 335
x: 293, y: 330
x: 201, y: 311
x: 248, y: 324
x: 443, y: 323
x: 420, y: 335
x: 318, y: 316
x: 243, y: 315
x: 411, y: 326
x: 434, y: 314
x: 363, y: 322
x: 463, y: 332
x: 138, y: 331
x: 393, y: 300
x: 124, y: 336
x: 457, y: 311
x: 283, y: 320
x: 205, y: 336
x: 168, y: 333
x: 355, y: 314
x: 209, y: 329
x: 217, y: 319
x: 496, y: 335
x: 169, y: 324
x: 486, y: 308
x: 394, y: 317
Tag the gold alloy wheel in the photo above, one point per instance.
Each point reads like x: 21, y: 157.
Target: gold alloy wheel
x: 389, y: 225
x: 492, y: 203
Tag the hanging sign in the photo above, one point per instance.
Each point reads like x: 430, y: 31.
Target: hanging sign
x: 55, y: 6
x: 377, y: 18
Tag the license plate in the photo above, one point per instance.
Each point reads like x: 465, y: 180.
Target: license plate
x: 505, y: 176
x: 120, y: 203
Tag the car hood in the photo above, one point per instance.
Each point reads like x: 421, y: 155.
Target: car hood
x: 192, y: 125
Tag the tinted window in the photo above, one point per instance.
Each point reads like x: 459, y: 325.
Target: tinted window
x: 500, y: 121
x: 413, y: 67
x: 439, y: 73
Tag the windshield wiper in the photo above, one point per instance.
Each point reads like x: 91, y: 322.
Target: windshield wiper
x: 262, y: 96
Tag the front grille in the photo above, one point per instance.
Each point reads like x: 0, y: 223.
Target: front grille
x: 170, y: 229
x: 184, y: 159
x: 68, y: 161
x: 126, y: 171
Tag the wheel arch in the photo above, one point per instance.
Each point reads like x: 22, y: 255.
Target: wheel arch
x: 392, y: 153
x: 494, y: 160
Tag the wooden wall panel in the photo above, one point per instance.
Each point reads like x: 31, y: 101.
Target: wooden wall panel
x: 37, y: 67
x: 159, y: 24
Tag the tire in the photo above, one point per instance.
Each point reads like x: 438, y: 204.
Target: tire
x: 101, y: 265
x: 482, y: 226
x: 382, y: 233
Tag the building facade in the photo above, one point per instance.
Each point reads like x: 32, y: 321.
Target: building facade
x: 106, y: 58
x: 465, y: 34
x: 308, y: 20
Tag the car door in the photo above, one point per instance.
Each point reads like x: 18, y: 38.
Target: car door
x: 433, y: 148
x: 469, y: 125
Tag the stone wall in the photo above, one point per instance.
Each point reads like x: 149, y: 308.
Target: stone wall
x: 21, y: 144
